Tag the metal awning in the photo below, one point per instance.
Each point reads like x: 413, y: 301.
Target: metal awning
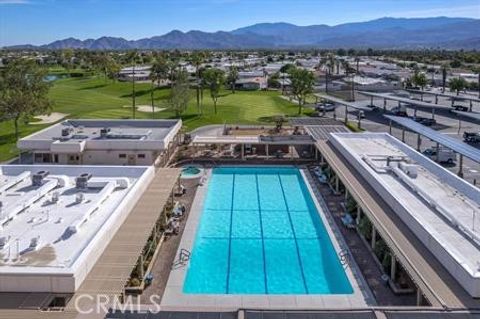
x: 445, y: 140
x: 322, y: 132
x: 471, y: 115
x: 353, y: 105
x: 313, y: 121
x: 234, y: 139
x: 400, y: 99
x: 452, y: 96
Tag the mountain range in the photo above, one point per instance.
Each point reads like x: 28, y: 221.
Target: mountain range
x: 384, y: 33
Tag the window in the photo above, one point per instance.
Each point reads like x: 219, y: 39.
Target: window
x: 122, y: 155
x: 141, y: 155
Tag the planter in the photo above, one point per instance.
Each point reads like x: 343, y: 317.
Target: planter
x: 137, y: 290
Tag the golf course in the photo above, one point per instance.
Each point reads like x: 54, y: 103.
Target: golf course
x: 96, y: 97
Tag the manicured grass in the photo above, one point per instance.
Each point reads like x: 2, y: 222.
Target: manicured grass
x: 93, y: 97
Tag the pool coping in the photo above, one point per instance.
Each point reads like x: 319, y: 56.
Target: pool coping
x: 175, y: 300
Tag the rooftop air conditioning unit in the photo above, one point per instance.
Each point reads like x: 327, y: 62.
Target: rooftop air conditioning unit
x: 79, y: 198
x: 66, y: 131
x: 55, y: 197
x: 3, y: 241
x: 38, y: 177
x: 81, y: 181
x: 34, y: 242
x: 104, y: 131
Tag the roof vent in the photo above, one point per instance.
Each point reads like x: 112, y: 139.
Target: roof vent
x: 81, y: 181
x: 79, y: 198
x: 3, y: 241
x: 38, y: 177
x: 66, y: 131
x: 55, y: 197
x: 34, y: 242
x: 409, y: 169
x: 104, y: 132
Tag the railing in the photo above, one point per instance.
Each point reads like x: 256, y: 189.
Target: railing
x: 183, y: 259
x: 344, y: 258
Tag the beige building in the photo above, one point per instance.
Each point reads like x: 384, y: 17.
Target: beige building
x: 104, y: 142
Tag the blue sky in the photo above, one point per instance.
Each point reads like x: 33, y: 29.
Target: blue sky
x: 43, y: 21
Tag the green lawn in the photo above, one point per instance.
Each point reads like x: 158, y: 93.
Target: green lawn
x: 93, y: 97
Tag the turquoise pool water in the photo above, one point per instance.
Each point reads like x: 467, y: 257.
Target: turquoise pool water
x: 260, y: 233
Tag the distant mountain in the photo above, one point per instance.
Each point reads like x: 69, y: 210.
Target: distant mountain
x: 384, y: 33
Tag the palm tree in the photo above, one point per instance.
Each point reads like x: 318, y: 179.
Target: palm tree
x: 132, y: 57
x: 477, y: 70
x: 232, y: 77
x: 158, y: 72
x: 197, y: 60
x: 444, y: 76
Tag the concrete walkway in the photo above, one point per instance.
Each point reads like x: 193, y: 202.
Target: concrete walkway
x: 372, y: 274
x: 163, y: 263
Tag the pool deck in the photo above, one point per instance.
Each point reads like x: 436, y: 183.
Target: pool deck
x: 175, y: 300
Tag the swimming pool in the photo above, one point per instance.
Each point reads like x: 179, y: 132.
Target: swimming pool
x: 260, y: 233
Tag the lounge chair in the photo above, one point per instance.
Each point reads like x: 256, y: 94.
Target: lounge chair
x: 348, y: 221
x: 322, y: 179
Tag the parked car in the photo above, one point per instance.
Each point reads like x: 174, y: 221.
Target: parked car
x: 399, y: 110
x: 471, y: 137
x: 324, y: 107
x: 360, y: 114
x: 441, y: 155
x: 371, y: 106
x: 427, y: 121
x: 461, y: 108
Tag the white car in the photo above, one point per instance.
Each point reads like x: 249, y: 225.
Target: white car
x: 325, y: 107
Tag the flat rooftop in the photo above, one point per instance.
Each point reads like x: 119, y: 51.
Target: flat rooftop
x: 139, y: 130
x: 54, y: 219
x: 440, y: 208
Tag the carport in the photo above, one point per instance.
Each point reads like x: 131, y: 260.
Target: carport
x: 410, y: 102
x: 453, y: 97
x: 353, y: 105
x: 441, y: 139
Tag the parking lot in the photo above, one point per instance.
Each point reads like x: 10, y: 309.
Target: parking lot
x: 446, y: 122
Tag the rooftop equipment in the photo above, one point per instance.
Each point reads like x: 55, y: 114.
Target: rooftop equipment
x: 38, y: 177
x: 104, y: 132
x: 66, y: 131
x: 34, y: 242
x: 81, y: 181
x: 79, y: 198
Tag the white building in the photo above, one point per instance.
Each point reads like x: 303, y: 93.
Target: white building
x: 56, y: 221
x: 441, y: 209
x: 110, y: 142
x: 139, y: 73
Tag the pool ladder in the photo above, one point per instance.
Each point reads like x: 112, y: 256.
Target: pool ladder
x: 184, y: 256
x: 183, y: 259
x: 344, y: 258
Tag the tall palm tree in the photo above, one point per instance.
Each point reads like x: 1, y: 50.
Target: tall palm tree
x: 197, y: 60
x: 158, y: 72
x: 132, y: 57
x: 477, y: 70
x: 444, y: 77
